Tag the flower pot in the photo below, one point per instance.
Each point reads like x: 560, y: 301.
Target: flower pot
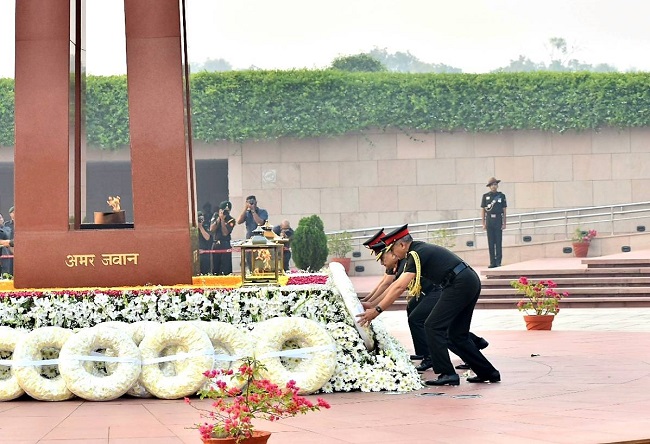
x: 345, y: 261
x: 539, y: 322
x: 259, y: 437
x: 580, y: 249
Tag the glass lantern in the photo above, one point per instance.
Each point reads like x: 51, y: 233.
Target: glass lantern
x: 261, y: 261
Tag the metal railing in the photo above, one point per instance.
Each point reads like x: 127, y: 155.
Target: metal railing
x: 536, y: 226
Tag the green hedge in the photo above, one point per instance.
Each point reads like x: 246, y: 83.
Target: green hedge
x: 241, y: 105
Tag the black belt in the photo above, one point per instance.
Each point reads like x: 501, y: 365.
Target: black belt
x: 458, y: 268
x: 451, y: 274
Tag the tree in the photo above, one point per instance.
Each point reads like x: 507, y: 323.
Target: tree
x: 522, y: 64
x: 211, y: 65
x: 560, y: 61
x: 358, y: 63
x: 407, y: 62
x: 309, y: 244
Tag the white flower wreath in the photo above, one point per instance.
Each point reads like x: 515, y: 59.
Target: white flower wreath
x: 123, y: 371
x: 27, y: 369
x: 137, y: 331
x: 192, y: 346
x: 344, y: 285
x: 230, y: 345
x: 140, y: 329
x: 388, y: 364
x: 318, y: 364
x: 9, y: 386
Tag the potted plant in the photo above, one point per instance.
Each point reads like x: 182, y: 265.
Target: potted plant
x: 581, y: 241
x: 244, y: 398
x: 443, y: 237
x: 339, y: 245
x: 541, y: 302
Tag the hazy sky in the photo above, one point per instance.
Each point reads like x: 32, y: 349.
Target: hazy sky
x: 474, y: 35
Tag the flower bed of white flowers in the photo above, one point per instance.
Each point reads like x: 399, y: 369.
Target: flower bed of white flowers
x: 385, y: 367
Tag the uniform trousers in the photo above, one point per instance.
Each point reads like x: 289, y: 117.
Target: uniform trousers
x: 450, y: 321
x: 205, y: 262
x: 286, y: 257
x: 221, y: 262
x: 417, y: 311
x: 494, y: 229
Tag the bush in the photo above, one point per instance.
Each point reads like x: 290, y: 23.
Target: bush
x: 309, y: 244
x: 265, y: 105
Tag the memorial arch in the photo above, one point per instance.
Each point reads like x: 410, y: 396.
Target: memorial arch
x: 156, y: 248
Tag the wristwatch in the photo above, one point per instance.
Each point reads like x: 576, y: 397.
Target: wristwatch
x: 379, y: 309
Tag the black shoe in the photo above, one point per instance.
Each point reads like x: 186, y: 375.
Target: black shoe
x: 481, y: 343
x: 463, y: 366
x: 494, y: 377
x: 491, y: 266
x: 424, y: 366
x: 417, y: 357
x: 444, y: 380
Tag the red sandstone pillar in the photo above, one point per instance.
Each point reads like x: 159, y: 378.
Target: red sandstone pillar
x: 157, y: 249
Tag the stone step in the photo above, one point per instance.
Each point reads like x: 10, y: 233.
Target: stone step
x: 601, y: 301
x: 597, y: 281
x: 509, y: 303
x: 571, y: 302
x: 619, y: 280
x: 573, y: 291
x: 553, y: 274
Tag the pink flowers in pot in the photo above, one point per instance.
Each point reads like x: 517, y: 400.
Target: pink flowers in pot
x: 581, y: 236
x: 540, y: 298
x: 234, y: 408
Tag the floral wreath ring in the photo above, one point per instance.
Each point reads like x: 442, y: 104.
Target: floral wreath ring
x: 192, y: 349
x: 28, y: 361
x: 352, y: 303
x: 121, y: 352
x: 230, y: 345
x: 138, y: 330
x: 315, y: 346
x: 9, y: 386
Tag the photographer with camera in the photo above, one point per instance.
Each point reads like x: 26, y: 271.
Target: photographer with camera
x: 285, y: 231
x: 252, y: 215
x: 205, y: 243
x: 221, y: 226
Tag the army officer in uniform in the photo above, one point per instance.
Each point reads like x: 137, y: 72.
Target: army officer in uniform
x: 493, y: 212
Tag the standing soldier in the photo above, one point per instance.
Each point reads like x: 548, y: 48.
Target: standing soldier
x: 221, y: 226
x: 493, y: 213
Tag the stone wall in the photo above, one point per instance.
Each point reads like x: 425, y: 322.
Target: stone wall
x: 384, y: 178
x: 388, y: 178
